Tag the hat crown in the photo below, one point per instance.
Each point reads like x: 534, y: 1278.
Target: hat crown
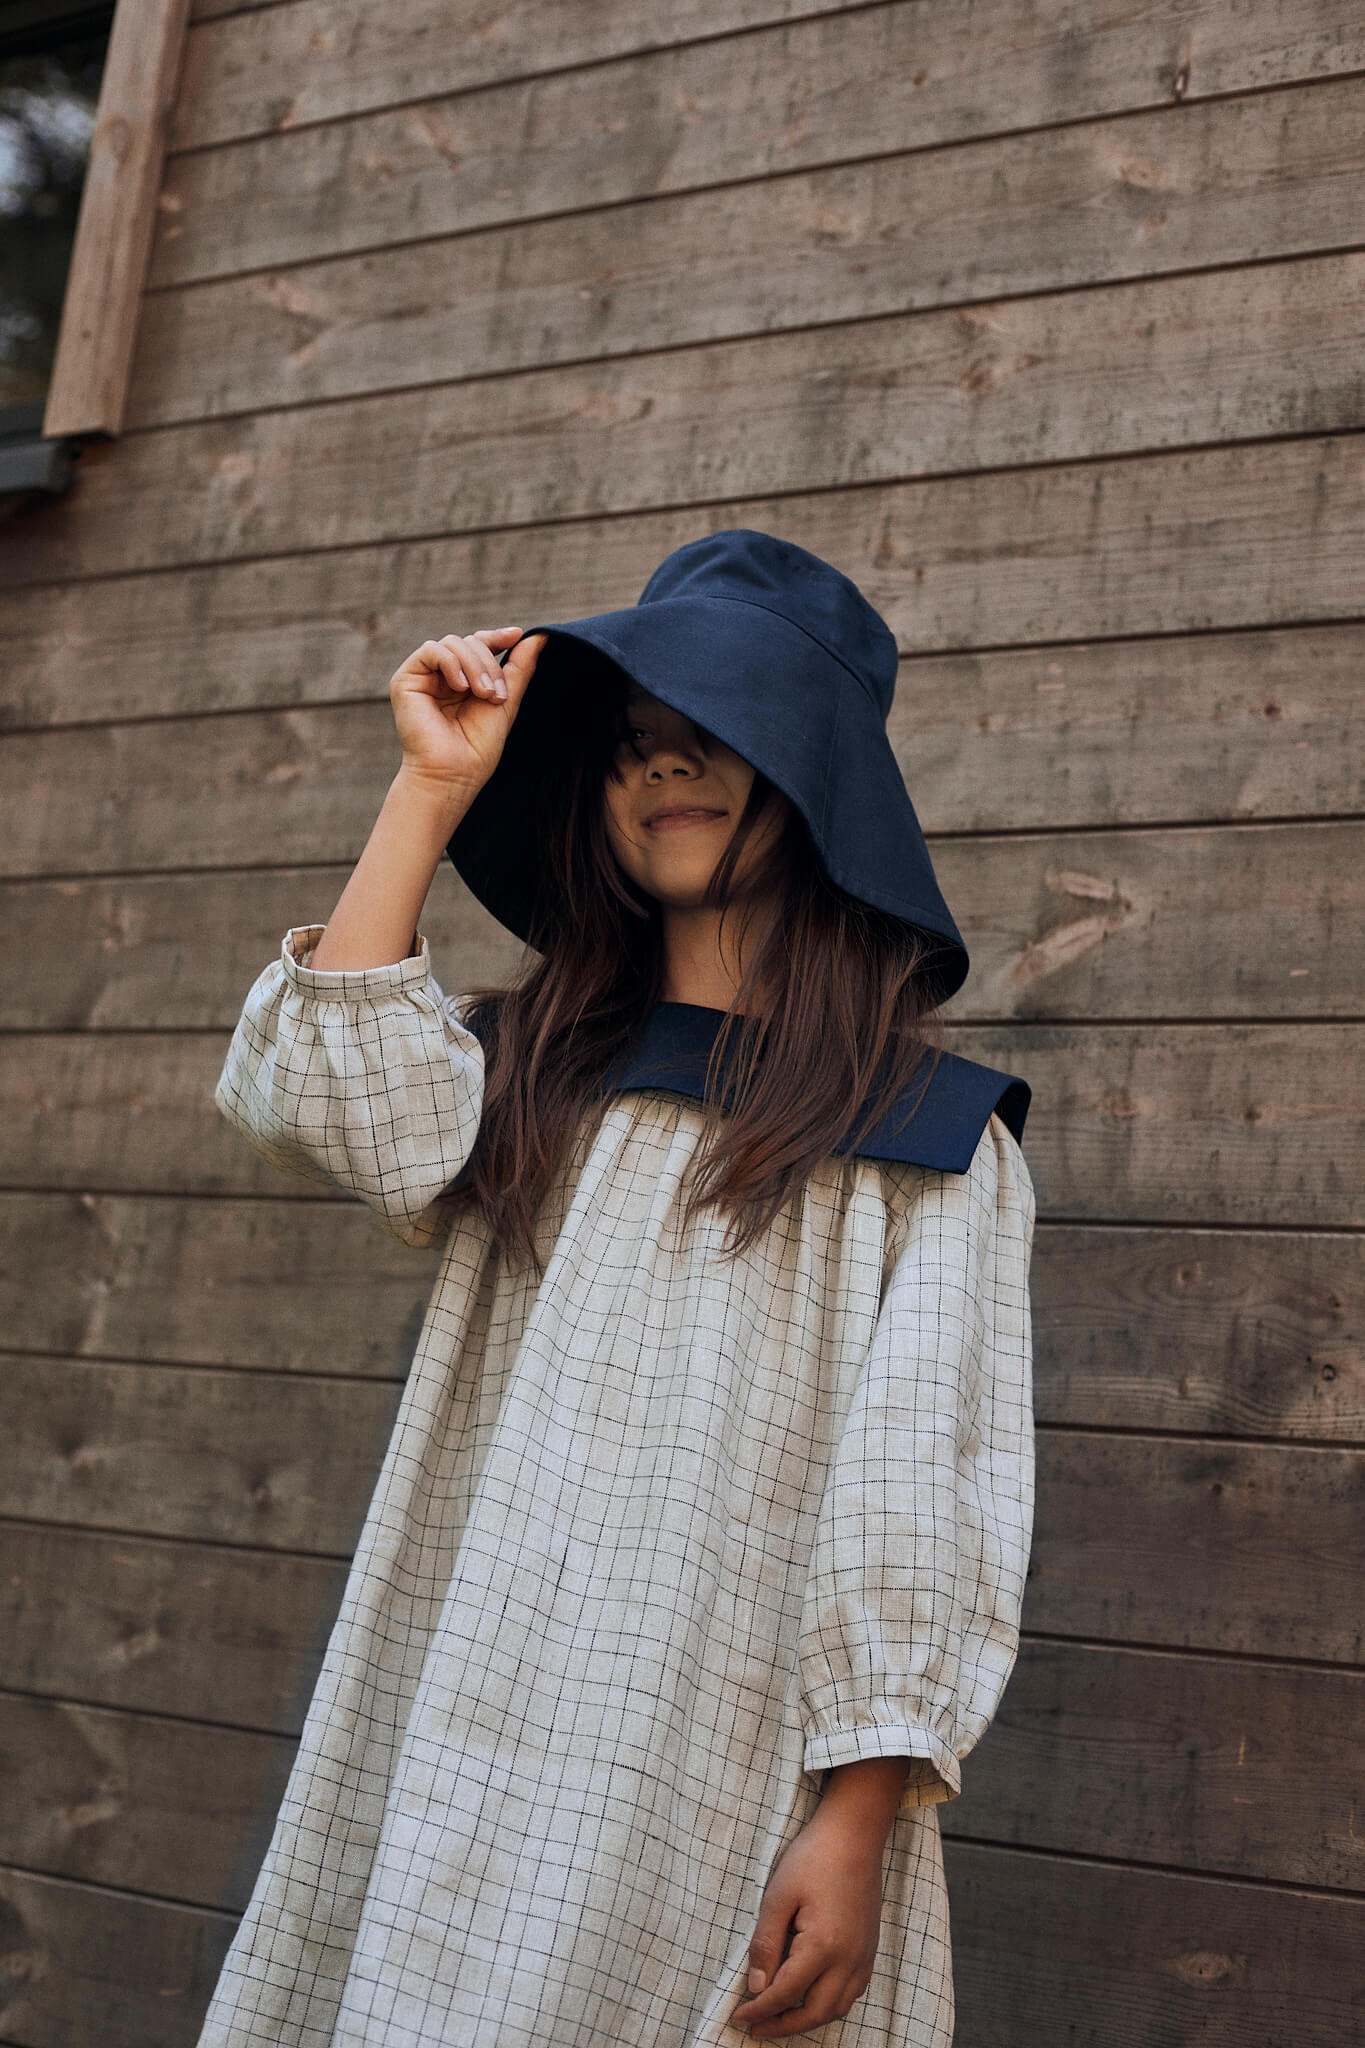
x: 759, y: 569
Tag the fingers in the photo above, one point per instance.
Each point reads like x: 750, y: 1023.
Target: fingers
x: 814, y: 1984
x: 830, y: 1996
x: 787, y: 1983
x: 519, y: 667
x: 771, y: 1930
x: 462, y: 665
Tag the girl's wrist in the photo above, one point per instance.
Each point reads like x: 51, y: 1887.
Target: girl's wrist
x: 862, y: 1799
x: 434, y: 804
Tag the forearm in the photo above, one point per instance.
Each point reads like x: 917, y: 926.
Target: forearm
x: 863, y: 1798
x: 379, y: 909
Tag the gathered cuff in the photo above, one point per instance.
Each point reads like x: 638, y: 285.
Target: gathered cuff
x: 301, y: 941
x: 934, y: 1774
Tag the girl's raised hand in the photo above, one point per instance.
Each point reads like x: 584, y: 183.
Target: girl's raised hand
x: 454, y: 705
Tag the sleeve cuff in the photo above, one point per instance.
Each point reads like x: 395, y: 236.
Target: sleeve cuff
x: 934, y: 1775
x: 300, y: 942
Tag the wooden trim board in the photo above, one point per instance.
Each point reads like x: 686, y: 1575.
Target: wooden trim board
x: 117, y: 215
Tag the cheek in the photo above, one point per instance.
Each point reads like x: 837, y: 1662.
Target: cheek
x: 618, y: 814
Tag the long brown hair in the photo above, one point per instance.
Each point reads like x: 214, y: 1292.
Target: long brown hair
x: 835, y: 1011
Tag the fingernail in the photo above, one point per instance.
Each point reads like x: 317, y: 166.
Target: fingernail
x: 500, y: 690
x: 757, y: 1979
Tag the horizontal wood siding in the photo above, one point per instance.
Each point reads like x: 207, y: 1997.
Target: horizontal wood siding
x: 1045, y: 327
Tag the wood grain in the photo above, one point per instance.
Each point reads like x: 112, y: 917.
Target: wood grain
x: 1196, y: 1544
x: 150, y: 1805
x: 195, y: 1282
x: 1121, y: 370
x: 79, y: 1964
x: 1050, y: 1948
x: 1178, y: 1123
x: 1097, y: 732
x: 1181, y: 1760
x: 88, y: 387
x: 316, y: 60
x: 229, y: 1636
x: 1248, y: 1333
x: 269, y: 1461
x: 1239, y: 1333
x: 1186, y: 1123
x: 1078, y: 206
x: 1066, y: 925
x: 1222, y: 537
x: 780, y: 98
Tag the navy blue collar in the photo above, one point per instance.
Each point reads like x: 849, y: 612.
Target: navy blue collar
x: 675, y: 1043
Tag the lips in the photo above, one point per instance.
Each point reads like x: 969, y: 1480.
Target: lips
x: 677, y: 817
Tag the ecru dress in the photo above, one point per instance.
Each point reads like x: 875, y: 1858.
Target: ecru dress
x: 657, y: 1539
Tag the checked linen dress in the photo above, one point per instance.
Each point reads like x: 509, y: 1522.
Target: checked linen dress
x: 658, y: 1538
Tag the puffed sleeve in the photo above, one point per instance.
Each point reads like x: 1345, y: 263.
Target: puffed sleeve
x: 361, y: 1079
x: 910, y: 1624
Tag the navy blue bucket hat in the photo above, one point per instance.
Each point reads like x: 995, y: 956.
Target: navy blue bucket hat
x: 780, y: 656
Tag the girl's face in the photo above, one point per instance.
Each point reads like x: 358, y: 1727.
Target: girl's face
x: 675, y: 798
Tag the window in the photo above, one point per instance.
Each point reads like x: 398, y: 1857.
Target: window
x: 51, y: 65
x: 85, y: 94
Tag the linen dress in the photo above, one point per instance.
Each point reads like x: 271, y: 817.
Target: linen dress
x: 658, y: 1538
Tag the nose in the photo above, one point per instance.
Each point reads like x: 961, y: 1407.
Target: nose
x: 673, y: 755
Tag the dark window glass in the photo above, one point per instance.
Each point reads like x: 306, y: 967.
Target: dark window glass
x: 51, y: 62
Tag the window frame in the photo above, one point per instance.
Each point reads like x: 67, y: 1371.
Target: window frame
x: 88, y: 386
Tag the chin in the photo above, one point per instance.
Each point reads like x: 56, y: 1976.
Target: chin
x: 678, y: 892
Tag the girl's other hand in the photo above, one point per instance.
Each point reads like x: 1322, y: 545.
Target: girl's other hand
x: 454, y: 705
x: 818, y: 1930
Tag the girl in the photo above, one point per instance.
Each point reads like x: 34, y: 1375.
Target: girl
x: 694, y: 1567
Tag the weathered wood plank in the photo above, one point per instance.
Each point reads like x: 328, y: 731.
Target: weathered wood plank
x: 118, y: 212
x: 1121, y: 370
x: 1098, y: 1956
x: 1230, y: 1332
x: 228, y: 1636
x: 170, y: 1807
x: 1196, y: 1544
x: 1246, y: 1333
x: 1180, y: 1760
x: 125, y: 952
x: 1151, y: 1757
x: 1219, y: 537
x: 210, y: 1283
x: 79, y: 1964
x: 1114, y: 924
x: 1178, y: 1123
x: 341, y: 56
x: 272, y: 1461
x: 1150, y: 924
x: 1185, y: 1123
x: 778, y: 99
x: 1050, y: 58
x: 131, y: 1112
x: 1076, y: 733
x: 1235, y: 181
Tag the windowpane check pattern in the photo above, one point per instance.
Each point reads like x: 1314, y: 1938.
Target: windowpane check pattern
x: 658, y: 1538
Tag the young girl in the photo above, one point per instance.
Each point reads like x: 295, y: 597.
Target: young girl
x: 694, y: 1567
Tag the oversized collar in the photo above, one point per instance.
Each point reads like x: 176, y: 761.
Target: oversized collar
x: 675, y: 1043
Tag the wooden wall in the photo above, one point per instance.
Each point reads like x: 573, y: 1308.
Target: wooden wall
x: 1043, y: 320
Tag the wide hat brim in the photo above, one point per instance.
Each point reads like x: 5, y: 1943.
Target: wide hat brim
x: 773, y: 694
